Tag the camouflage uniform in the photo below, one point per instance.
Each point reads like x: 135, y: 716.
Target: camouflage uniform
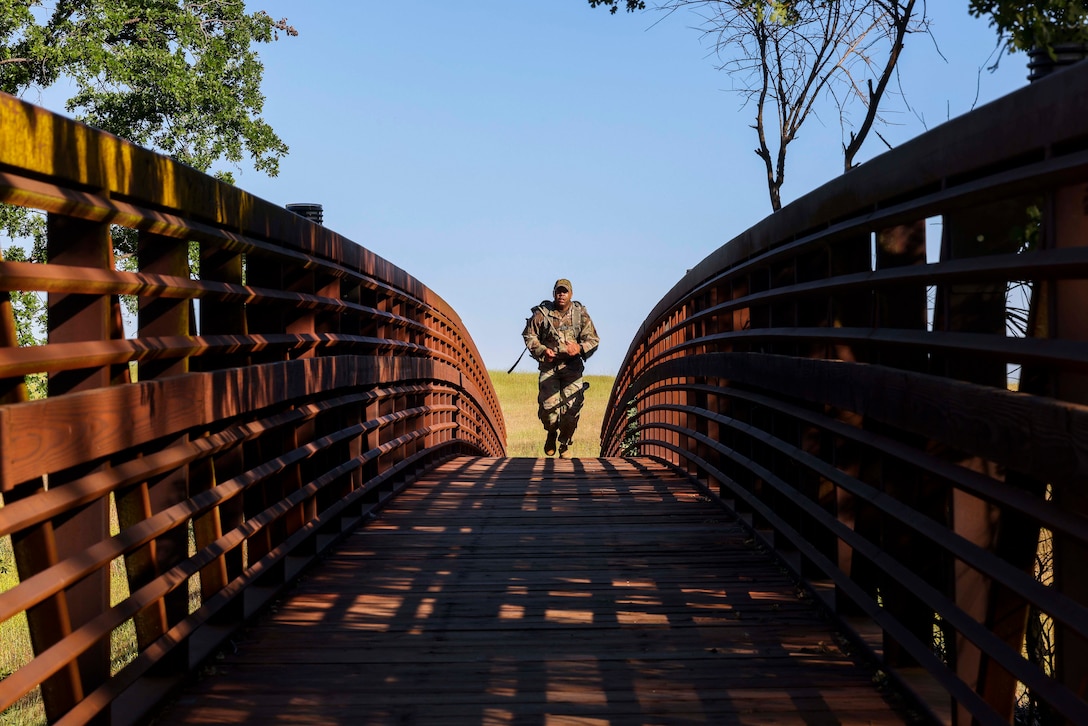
x: 561, y: 386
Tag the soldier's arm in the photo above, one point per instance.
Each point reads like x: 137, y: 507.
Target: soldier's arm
x: 531, y: 336
x: 588, y: 338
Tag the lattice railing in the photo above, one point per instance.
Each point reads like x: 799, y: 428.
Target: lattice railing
x: 888, y: 380
x: 257, y: 409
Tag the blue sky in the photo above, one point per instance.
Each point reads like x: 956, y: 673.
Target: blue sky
x: 492, y: 146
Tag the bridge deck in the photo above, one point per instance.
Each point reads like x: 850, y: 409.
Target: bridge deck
x: 590, y: 591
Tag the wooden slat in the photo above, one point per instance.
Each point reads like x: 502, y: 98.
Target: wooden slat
x: 37, y: 438
x: 1042, y: 436
x: 562, y: 591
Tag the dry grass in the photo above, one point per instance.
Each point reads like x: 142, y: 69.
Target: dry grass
x: 525, y: 435
x: 15, y: 649
x: 15, y: 646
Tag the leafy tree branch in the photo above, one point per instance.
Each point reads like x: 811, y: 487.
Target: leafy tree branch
x: 1041, y: 24
x: 182, y: 77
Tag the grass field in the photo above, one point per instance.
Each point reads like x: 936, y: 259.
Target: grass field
x: 15, y: 651
x: 524, y: 433
x: 15, y: 647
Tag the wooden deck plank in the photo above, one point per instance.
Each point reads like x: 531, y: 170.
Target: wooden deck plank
x: 523, y: 591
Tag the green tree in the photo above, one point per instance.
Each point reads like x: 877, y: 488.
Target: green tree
x: 787, y: 56
x: 179, y: 76
x: 27, y: 308
x: 613, y: 5
x: 182, y: 77
x: 1041, y: 24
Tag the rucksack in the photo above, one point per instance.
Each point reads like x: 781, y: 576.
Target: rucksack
x: 575, y: 319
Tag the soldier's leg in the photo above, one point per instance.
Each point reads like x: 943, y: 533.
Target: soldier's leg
x: 548, y: 406
x: 573, y: 395
x: 549, y: 399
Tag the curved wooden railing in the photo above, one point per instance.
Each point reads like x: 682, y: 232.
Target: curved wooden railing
x: 852, y: 401
x: 258, y: 411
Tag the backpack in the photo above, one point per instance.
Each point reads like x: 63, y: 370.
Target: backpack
x: 576, y: 321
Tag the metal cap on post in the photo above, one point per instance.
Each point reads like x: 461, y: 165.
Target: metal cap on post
x: 312, y: 212
x: 1041, y: 63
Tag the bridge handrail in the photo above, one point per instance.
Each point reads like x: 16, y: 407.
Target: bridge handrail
x: 260, y: 409
x: 852, y: 401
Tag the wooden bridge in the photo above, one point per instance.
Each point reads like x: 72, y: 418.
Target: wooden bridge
x: 541, y: 591
x: 871, y: 405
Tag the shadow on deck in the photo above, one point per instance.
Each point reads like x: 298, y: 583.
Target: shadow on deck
x: 595, y: 591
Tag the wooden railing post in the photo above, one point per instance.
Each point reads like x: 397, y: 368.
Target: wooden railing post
x: 160, y: 317
x: 218, y: 317
x: 848, y: 309
x: 904, y: 308
x: 977, y: 308
x: 1070, y: 219
x: 72, y: 318
x: 163, y: 317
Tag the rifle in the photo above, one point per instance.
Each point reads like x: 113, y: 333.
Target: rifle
x: 518, y: 360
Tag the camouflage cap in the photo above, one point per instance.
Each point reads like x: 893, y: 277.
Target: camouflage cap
x: 562, y: 283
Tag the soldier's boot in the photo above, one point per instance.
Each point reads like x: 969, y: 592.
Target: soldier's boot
x: 567, y: 427
x: 549, y: 443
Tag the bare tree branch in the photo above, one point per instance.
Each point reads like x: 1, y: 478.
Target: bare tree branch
x: 790, y: 55
x: 899, y: 15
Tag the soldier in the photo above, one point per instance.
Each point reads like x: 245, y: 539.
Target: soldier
x: 560, y: 336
